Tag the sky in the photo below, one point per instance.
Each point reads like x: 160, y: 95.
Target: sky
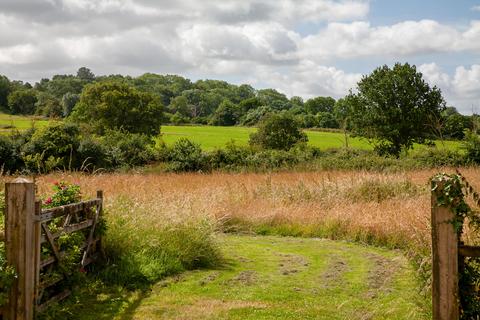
x: 302, y: 48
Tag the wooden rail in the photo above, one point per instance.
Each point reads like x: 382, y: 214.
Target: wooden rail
x: 30, y: 231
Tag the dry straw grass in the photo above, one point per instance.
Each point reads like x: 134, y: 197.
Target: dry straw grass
x: 392, y: 209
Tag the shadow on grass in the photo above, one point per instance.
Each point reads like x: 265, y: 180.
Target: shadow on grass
x: 96, y: 301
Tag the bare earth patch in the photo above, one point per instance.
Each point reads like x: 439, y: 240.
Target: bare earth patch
x: 208, y: 308
x: 333, y: 276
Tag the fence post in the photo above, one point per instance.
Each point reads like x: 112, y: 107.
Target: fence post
x: 20, y: 247
x: 444, y: 261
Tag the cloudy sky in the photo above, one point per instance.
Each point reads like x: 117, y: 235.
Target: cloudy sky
x: 300, y: 47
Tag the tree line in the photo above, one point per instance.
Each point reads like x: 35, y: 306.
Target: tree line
x: 182, y: 101
x: 111, y: 120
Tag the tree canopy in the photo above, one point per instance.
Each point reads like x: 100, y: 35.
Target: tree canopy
x: 278, y: 131
x: 119, y: 106
x: 393, y: 108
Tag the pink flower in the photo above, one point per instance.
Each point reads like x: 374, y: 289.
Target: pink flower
x: 48, y: 201
x: 82, y: 270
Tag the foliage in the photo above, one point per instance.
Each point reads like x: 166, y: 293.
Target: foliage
x: 52, y: 147
x: 227, y: 114
x: 22, y: 101
x: 279, y: 131
x: 451, y: 191
x: 110, y: 105
x: 63, y: 193
x: 125, y: 149
x: 471, y: 145
x: 186, y: 155
x: 69, y: 100
x: 319, y: 104
x: 7, y: 275
x: 394, y: 107
x: 10, y: 158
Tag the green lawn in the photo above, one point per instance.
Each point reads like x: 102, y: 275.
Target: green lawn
x: 11, y: 122
x: 272, y: 278
x: 210, y: 137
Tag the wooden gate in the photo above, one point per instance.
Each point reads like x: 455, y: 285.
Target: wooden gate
x: 33, y: 248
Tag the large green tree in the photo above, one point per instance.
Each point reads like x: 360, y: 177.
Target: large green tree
x: 319, y: 104
x: 394, y: 108
x: 117, y: 105
x: 22, y: 101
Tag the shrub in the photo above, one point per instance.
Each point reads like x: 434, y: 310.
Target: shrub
x: 124, y: 149
x: 10, y: 159
x: 279, y: 131
x: 230, y: 157
x: 186, y: 155
x: 471, y: 145
x: 269, y: 159
x: 52, y: 147
x: 93, y: 154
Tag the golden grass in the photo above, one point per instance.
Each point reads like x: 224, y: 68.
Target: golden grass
x: 383, y: 208
x: 299, y: 198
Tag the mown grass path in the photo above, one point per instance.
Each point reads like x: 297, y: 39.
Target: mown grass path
x: 290, y: 278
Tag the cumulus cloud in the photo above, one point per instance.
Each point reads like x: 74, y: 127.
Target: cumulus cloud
x: 357, y: 39
x: 461, y: 90
x: 256, y: 41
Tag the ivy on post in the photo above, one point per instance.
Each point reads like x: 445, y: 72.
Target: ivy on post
x: 447, y: 198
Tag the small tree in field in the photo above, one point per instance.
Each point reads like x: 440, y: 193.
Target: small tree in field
x: 278, y: 131
x: 394, y: 108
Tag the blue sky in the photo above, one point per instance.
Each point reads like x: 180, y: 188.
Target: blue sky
x: 300, y: 47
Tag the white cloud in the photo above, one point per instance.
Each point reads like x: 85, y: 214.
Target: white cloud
x: 308, y: 79
x: 251, y: 40
x: 461, y: 90
x: 476, y: 8
x: 408, y: 38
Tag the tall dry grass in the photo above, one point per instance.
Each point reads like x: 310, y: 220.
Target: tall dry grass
x: 394, y: 207
x: 388, y: 209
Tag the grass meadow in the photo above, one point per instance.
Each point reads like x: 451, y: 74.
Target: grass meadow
x: 163, y: 224
x: 210, y: 137
x: 13, y: 122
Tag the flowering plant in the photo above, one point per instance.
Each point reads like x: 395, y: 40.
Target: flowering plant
x: 65, y: 193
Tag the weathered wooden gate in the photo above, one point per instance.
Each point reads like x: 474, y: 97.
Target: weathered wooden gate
x: 33, y: 249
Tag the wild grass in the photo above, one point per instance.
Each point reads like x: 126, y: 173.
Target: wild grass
x: 160, y: 224
x: 391, y: 209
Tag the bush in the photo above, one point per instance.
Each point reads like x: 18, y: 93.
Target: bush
x: 471, y: 145
x: 186, y: 155
x: 230, y: 157
x: 93, y: 154
x: 10, y: 159
x: 279, y: 131
x: 52, y: 147
x: 124, y: 149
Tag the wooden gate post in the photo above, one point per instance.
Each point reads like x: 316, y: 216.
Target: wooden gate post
x: 20, y: 247
x: 444, y: 261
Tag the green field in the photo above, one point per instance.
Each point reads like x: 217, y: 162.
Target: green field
x: 210, y: 137
x: 12, y: 122
x: 271, y: 278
